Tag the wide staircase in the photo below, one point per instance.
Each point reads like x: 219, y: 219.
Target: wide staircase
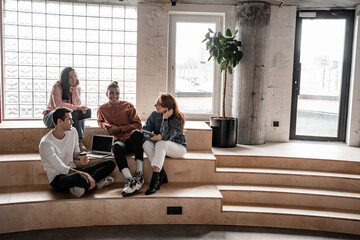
x: 206, y: 186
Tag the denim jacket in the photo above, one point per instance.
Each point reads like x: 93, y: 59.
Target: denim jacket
x: 169, y: 129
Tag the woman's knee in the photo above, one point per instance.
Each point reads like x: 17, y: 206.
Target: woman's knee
x: 147, y: 145
x: 160, y: 145
x: 136, y: 134
x: 118, y: 148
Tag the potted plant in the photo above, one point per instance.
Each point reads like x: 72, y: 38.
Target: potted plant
x: 227, y: 52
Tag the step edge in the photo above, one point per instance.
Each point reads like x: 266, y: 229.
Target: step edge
x: 294, y: 190
x: 285, y: 172
x: 291, y: 211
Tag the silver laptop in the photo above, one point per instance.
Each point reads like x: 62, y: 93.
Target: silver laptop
x: 101, y: 146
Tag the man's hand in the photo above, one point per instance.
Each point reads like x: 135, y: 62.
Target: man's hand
x: 156, y: 137
x: 84, y: 160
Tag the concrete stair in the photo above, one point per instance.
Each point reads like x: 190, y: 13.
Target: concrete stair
x: 209, y: 188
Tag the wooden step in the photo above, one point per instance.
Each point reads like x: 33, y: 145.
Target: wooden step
x: 286, y: 217
x: 288, y: 177
x: 306, y: 164
x: 276, y: 209
x: 27, y: 169
x: 290, y: 196
x: 25, y: 136
x: 26, y: 208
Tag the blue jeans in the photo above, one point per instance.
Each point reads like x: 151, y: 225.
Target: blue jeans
x: 79, y: 125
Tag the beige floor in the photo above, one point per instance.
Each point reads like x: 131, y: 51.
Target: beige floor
x: 178, y: 232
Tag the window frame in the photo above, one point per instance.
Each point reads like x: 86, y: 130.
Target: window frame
x: 348, y: 15
x: 128, y: 73
x: 175, y: 17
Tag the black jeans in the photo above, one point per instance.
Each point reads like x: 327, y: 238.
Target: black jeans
x: 98, y: 171
x: 132, y: 145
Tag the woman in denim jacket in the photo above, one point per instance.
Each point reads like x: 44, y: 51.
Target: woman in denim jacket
x: 167, y: 124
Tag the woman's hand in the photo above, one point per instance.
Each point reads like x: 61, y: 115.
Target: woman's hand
x: 82, y: 108
x: 168, y: 113
x: 156, y: 137
x: 113, y: 130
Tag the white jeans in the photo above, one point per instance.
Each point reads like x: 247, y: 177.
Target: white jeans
x: 157, y: 151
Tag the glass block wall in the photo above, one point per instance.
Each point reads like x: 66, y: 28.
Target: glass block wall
x: 40, y: 38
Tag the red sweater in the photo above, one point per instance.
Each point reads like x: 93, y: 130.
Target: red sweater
x: 122, y: 114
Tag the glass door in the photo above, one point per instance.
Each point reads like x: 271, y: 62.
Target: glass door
x: 321, y: 75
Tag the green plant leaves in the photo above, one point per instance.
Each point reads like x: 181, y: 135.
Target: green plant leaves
x: 228, y: 33
x: 226, y: 50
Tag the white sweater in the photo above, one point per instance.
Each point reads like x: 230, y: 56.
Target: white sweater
x: 57, y: 154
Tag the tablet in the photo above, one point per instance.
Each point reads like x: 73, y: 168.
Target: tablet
x: 148, y: 132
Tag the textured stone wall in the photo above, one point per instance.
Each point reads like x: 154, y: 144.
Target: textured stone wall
x: 353, y: 126
x: 253, y: 23
x: 280, y: 70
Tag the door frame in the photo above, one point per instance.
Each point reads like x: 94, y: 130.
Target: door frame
x: 344, y: 97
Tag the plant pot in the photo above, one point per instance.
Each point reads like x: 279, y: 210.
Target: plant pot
x: 224, y: 131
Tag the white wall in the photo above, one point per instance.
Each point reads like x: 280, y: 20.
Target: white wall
x: 353, y: 125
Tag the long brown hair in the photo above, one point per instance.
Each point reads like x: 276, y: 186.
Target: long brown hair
x: 64, y: 82
x: 168, y: 101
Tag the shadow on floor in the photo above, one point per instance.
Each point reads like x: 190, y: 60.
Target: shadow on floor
x: 177, y: 232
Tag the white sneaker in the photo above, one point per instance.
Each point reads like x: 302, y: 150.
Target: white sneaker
x: 139, y: 180
x: 77, y: 191
x: 129, y: 187
x: 105, y: 182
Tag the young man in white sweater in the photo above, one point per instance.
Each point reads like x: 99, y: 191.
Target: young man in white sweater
x: 59, y: 147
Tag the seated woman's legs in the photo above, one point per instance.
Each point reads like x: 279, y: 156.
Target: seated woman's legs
x: 149, y: 149
x: 79, y: 125
x: 136, y: 141
x: 136, y: 138
x: 48, y: 120
x: 120, y: 150
x: 159, y: 153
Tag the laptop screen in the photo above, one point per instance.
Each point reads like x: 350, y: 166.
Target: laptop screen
x: 102, y: 143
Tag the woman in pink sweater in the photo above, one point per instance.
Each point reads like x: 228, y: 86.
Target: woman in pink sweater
x: 66, y: 93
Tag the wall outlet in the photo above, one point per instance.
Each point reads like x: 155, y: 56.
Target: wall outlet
x: 275, y: 123
x: 174, y: 210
